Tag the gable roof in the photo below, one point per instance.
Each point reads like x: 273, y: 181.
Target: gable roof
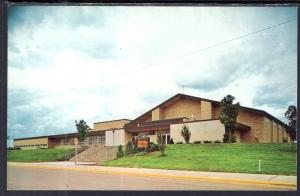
x: 179, y: 95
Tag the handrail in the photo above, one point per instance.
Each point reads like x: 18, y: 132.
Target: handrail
x: 73, y: 153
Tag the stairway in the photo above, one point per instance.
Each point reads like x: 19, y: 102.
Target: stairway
x: 96, y: 153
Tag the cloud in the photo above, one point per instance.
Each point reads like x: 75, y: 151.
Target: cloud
x: 108, y: 62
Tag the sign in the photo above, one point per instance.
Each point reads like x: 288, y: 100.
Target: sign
x: 142, y: 142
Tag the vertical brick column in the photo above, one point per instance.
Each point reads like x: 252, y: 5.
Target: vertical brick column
x: 206, y: 110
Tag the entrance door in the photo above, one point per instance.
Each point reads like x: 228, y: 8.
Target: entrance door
x: 166, y: 138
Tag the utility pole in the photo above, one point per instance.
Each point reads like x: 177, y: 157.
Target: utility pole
x: 182, y: 89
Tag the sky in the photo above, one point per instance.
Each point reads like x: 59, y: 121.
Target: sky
x: 100, y: 63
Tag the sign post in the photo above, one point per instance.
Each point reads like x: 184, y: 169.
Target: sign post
x: 76, y: 141
x: 143, y: 142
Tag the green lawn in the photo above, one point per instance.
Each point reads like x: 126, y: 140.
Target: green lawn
x: 243, y: 158
x: 38, y: 155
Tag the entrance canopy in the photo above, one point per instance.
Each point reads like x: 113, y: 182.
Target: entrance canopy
x: 241, y: 127
x: 158, y: 125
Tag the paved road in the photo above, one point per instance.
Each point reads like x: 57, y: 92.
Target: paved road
x: 22, y: 178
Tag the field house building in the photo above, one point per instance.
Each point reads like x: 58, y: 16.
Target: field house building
x: 200, y: 115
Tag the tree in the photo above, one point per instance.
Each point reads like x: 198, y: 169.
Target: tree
x: 82, y: 129
x: 186, y: 134
x: 129, y: 149
x: 291, y: 116
x: 228, y: 116
x: 161, y: 144
x: 120, y: 152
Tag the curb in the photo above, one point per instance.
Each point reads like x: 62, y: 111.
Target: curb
x: 207, y: 179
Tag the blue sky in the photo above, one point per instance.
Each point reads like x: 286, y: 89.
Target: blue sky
x: 102, y: 63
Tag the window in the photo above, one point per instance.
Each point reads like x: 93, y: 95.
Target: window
x: 151, y: 132
x: 66, y: 140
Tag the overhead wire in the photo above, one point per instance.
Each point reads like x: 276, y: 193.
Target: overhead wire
x: 203, y: 49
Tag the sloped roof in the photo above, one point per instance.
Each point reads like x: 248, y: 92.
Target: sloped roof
x: 179, y: 95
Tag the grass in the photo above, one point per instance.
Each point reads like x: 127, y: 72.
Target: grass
x: 38, y: 155
x: 241, y: 158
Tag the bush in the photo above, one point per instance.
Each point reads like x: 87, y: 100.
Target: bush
x: 226, y: 138
x: 179, y: 143
x: 171, y: 141
x: 186, y: 134
x: 197, y: 142
x: 152, y: 147
x: 233, y: 139
x: 284, y: 140
x: 120, y: 152
x: 206, y: 142
x: 129, y: 149
x: 217, y: 141
x: 136, y: 149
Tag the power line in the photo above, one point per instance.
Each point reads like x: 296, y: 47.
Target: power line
x: 219, y: 44
x: 199, y: 50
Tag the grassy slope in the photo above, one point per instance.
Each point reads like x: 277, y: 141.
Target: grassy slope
x: 243, y: 158
x: 37, y: 155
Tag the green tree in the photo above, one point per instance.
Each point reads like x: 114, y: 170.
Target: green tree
x: 161, y: 144
x: 291, y: 116
x: 120, y: 152
x: 186, y: 134
x: 82, y: 129
x: 228, y: 116
x: 129, y: 149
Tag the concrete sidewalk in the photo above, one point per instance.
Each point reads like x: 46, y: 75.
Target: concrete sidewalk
x: 277, y: 180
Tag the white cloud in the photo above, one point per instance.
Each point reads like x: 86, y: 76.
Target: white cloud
x: 89, y: 62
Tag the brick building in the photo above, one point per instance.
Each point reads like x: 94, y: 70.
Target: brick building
x: 200, y: 115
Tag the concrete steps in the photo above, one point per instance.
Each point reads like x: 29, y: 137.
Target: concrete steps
x: 96, y: 153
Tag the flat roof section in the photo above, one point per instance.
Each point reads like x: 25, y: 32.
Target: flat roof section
x: 112, y: 120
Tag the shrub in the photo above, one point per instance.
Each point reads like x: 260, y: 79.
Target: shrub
x: 284, y: 140
x: 233, y: 139
x: 206, y: 142
x: 197, y: 142
x: 179, y: 143
x: 217, y: 141
x: 136, y: 149
x: 171, y: 141
x: 120, y: 152
x: 129, y: 149
x: 152, y: 147
x: 186, y: 134
x: 226, y: 138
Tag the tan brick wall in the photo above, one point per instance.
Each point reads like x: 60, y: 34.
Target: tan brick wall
x: 115, y: 139
x: 156, y: 114
x: 128, y: 137
x: 29, y: 148
x: 183, y: 108
x: 34, y: 141
x: 216, y: 111
x: 118, y: 124
x: 280, y: 134
x: 256, y: 122
x: 206, y: 110
x: 200, y: 131
x: 238, y: 136
x: 268, y: 130
x: 277, y: 132
x: 51, y: 143
x: 263, y: 129
x: 274, y: 131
